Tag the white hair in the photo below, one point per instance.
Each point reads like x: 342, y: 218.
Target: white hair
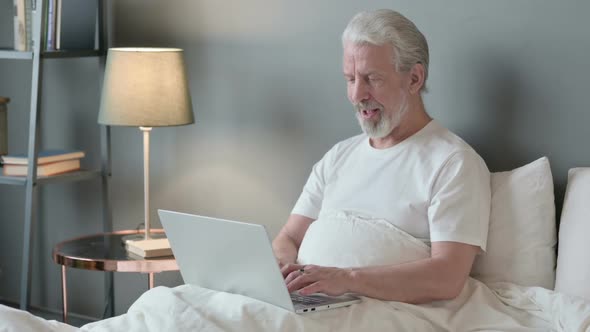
x: 385, y: 26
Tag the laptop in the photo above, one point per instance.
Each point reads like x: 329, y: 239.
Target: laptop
x: 236, y: 257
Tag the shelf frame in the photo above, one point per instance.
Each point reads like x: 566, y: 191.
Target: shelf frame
x: 15, y: 55
x: 31, y: 189
x: 59, y: 54
x: 80, y: 175
x: 31, y: 181
x: 13, y: 180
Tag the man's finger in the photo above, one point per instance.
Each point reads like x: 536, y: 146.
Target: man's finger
x: 299, y: 282
x: 288, y: 268
x: 313, y: 288
x: 292, y: 276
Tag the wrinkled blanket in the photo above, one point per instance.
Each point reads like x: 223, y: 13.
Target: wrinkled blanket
x: 502, y: 307
x: 343, y: 240
x: 505, y: 307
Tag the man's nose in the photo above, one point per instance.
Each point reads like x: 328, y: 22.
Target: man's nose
x: 360, y: 91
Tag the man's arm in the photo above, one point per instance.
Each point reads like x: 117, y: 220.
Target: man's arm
x: 286, y: 244
x: 440, y: 277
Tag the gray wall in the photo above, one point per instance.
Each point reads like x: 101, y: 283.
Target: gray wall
x: 511, y: 77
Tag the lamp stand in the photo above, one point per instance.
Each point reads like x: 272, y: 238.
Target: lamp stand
x: 146, y: 180
x: 146, y: 192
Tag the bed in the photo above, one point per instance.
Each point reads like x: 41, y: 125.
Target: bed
x: 517, y: 285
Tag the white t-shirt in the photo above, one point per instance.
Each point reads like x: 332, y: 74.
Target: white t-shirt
x: 431, y: 185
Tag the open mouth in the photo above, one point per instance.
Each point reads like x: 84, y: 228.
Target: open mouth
x: 367, y: 114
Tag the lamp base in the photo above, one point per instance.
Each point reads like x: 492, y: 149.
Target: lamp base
x: 141, y: 237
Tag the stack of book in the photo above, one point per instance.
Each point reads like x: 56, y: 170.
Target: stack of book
x: 49, y: 162
x: 149, y: 248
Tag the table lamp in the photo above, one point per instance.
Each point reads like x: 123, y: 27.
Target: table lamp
x: 145, y: 88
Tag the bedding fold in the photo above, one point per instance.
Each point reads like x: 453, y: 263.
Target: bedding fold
x: 479, y: 307
x: 345, y: 239
x: 506, y: 307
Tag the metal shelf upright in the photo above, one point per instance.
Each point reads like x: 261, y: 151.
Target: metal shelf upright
x: 31, y: 182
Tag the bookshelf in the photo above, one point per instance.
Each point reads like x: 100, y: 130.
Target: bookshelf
x: 64, y: 177
x: 11, y: 54
x: 32, y: 182
x: 72, y: 54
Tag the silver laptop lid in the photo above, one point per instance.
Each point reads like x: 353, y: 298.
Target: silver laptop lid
x: 226, y: 256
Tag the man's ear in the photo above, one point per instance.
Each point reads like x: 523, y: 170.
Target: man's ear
x: 417, y: 74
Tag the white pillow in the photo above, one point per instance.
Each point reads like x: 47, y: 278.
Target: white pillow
x: 573, y: 267
x: 522, y: 231
x: 344, y: 239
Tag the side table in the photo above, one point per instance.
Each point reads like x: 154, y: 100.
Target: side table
x: 106, y: 252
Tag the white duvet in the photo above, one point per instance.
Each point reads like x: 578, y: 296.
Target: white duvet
x: 479, y: 307
x: 504, y: 307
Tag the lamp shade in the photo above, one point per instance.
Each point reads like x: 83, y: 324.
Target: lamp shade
x: 145, y: 87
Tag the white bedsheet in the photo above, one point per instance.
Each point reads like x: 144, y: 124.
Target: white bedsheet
x: 506, y: 307
x: 14, y: 320
x: 499, y: 307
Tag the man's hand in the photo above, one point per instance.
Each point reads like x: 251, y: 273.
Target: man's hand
x: 288, y: 268
x: 309, y: 279
x: 282, y: 264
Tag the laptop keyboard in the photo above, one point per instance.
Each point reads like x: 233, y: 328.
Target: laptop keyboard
x: 299, y: 299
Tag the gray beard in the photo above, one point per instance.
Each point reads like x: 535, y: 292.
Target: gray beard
x: 386, y: 124
x: 375, y: 129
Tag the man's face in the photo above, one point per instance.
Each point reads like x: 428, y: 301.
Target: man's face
x: 377, y: 91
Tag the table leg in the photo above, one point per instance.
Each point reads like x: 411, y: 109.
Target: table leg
x: 64, y: 293
x: 110, y: 295
x: 150, y: 280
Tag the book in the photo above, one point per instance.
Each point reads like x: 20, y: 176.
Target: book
x: 29, y: 24
x: 43, y: 170
x: 44, y: 157
x: 57, y: 27
x: 51, y: 23
x: 20, y: 25
x: 76, y: 24
x: 149, y: 248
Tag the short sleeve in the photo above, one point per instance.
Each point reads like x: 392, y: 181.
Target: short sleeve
x: 460, y: 199
x: 309, y: 203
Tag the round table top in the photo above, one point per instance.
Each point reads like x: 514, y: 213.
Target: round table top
x: 106, y: 252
